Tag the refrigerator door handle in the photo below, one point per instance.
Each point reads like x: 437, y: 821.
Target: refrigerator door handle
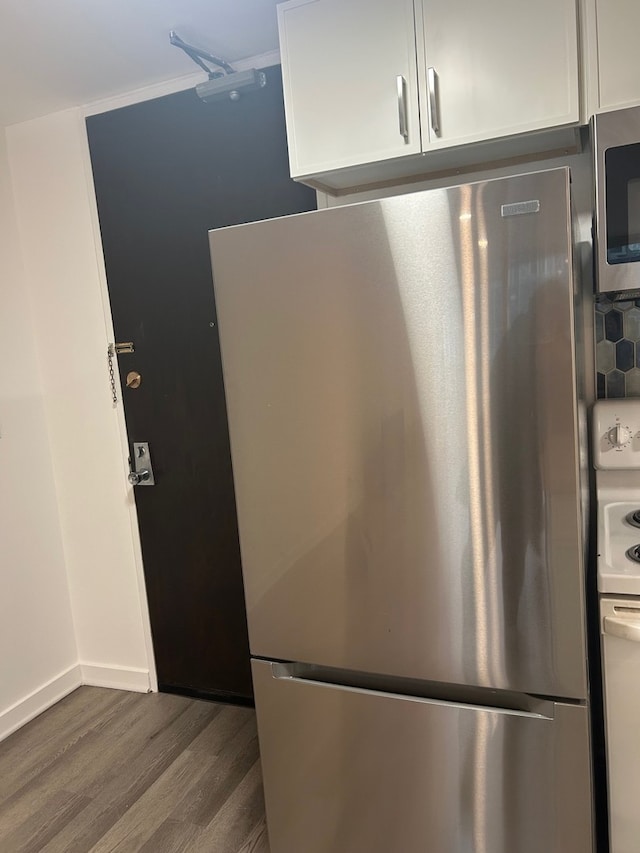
x: 626, y: 629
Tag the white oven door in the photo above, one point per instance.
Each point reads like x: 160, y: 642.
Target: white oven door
x: 620, y: 624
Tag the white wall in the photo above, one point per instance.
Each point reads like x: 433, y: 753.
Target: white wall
x: 63, y: 266
x: 64, y: 499
x: 37, y: 647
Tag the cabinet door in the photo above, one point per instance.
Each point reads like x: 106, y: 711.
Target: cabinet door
x: 618, y: 23
x: 349, y: 72
x: 499, y: 67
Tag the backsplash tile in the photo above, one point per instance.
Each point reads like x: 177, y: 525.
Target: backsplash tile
x: 625, y: 355
x: 613, y: 325
x: 617, y: 330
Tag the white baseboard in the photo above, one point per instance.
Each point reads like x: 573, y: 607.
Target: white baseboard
x: 116, y: 677
x: 96, y: 675
x: 35, y: 703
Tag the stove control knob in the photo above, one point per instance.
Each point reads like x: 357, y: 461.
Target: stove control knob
x: 619, y: 436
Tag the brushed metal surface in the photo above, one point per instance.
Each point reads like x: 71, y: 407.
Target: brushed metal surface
x: 403, y: 122
x: 400, y: 383
x: 141, y: 465
x: 434, y: 110
x: 365, y: 772
x: 134, y: 379
x: 610, y: 130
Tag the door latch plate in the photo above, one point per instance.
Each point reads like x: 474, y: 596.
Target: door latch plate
x: 141, y: 464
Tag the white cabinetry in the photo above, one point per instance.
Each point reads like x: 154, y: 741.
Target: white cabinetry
x: 618, y: 59
x: 349, y: 71
x: 501, y: 67
x: 355, y: 71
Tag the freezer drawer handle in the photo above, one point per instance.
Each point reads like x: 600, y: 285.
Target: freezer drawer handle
x: 626, y: 629
x: 307, y: 674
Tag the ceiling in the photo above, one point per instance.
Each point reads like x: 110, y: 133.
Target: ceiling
x: 56, y: 54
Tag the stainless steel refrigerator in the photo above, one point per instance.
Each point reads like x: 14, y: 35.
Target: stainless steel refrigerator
x: 401, y: 390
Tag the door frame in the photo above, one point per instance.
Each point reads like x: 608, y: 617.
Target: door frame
x: 147, y: 93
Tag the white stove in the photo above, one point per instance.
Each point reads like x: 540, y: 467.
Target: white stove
x: 616, y: 446
x: 618, y: 539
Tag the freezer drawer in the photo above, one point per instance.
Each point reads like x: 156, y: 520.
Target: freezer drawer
x: 621, y: 666
x: 358, y: 771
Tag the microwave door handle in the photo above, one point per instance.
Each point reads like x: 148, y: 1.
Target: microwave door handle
x: 626, y: 629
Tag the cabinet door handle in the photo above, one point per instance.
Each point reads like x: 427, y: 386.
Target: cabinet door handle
x: 402, y: 107
x: 434, y: 107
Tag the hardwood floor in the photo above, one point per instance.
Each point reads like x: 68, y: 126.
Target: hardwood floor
x: 105, y: 770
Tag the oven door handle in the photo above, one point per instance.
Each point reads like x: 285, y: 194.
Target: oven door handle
x: 626, y: 629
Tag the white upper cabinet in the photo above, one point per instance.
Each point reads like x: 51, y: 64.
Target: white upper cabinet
x: 618, y: 54
x: 381, y: 90
x: 498, y: 67
x: 350, y: 82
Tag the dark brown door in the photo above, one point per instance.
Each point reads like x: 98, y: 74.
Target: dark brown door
x: 166, y: 171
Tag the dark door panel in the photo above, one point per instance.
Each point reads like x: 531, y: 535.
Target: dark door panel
x: 166, y: 171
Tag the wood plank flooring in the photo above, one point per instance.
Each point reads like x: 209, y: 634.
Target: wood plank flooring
x: 106, y: 770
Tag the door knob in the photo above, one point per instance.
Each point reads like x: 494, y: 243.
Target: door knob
x: 141, y: 465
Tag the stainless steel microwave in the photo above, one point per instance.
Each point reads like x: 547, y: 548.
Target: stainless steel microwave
x: 616, y: 147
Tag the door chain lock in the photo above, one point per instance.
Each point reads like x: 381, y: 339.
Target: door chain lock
x: 141, y: 468
x: 112, y: 351
x: 112, y: 379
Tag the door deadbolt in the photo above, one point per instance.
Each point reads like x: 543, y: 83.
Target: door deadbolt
x: 133, y: 379
x: 141, y: 467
